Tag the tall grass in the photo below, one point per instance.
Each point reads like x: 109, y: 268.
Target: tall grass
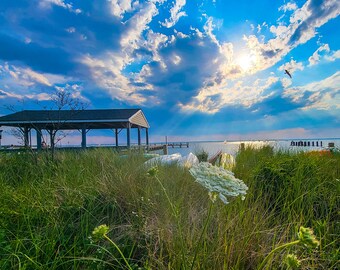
x: 48, y: 211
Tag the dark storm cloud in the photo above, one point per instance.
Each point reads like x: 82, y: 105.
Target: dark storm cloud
x: 275, y: 105
x: 56, y: 37
x: 52, y: 60
x: 189, y: 63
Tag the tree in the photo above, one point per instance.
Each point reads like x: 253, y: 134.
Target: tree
x: 62, y: 100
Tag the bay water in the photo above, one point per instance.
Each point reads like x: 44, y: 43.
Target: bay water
x: 231, y: 147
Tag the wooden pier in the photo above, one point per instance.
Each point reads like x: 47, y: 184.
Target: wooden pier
x: 164, y: 147
x: 307, y: 143
x: 179, y: 145
x: 311, y: 143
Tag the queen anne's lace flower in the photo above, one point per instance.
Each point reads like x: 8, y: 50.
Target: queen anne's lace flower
x: 218, y: 180
x: 293, y: 262
x: 100, y: 231
x: 307, y: 237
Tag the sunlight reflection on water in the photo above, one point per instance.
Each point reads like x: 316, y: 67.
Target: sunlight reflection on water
x: 233, y: 146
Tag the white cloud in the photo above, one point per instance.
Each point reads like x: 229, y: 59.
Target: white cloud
x: 107, y: 74
x: 23, y: 83
x: 120, y: 7
x: 292, y: 66
x: 208, y: 27
x: 39, y: 96
x: 212, y: 99
x: 154, y: 42
x: 261, y: 26
x: 61, y: 3
x: 32, y: 96
x: 323, y: 52
x: 176, y: 59
x: 25, y: 76
x: 322, y: 95
x: 303, y: 26
x: 333, y: 56
x: 288, y: 7
x: 27, y: 40
x: 175, y: 13
x: 197, y: 32
x: 5, y: 94
x: 279, y: 31
x: 136, y: 25
x: 107, y: 70
x: 71, y: 30
x: 180, y: 34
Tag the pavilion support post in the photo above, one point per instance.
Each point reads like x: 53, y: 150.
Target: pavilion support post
x: 26, y: 139
x: 30, y: 137
x: 51, y: 138
x: 116, y: 133
x: 147, y: 136
x: 128, y: 135
x: 38, y: 139
x: 83, y: 137
x: 139, y: 137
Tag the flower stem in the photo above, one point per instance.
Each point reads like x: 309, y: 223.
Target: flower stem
x: 175, y: 213
x: 201, y: 236
x: 120, y: 252
x: 276, y: 249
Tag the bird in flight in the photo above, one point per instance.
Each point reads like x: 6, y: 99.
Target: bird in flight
x: 287, y: 72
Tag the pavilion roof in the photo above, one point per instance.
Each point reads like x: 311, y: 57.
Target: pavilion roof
x: 76, y: 119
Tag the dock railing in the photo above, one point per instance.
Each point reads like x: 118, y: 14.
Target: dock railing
x: 164, y: 147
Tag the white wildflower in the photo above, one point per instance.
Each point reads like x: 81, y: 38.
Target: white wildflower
x: 218, y: 181
x: 225, y: 161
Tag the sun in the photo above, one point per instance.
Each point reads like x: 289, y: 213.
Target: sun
x: 246, y: 62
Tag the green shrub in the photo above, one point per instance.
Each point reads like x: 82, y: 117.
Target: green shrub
x: 202, y: 155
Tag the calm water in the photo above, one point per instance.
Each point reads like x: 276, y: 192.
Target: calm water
x: 232, y: 146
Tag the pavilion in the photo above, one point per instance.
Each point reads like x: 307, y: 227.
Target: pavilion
x: 82, y: 120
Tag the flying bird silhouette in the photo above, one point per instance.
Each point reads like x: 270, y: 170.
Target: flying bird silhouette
x: 287, y: 72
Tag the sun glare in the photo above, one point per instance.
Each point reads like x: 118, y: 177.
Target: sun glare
x: 246, y: 62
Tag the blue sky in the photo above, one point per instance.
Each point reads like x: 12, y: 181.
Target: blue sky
x: 200, y: 70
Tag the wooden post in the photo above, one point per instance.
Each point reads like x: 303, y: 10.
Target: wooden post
x: 26, y: 140
x: 128, y: 138
x: 147, y: 136
x: 139, y: 140
x: 116, y: 133
x: 242, y: 146
x: 165, y: 149
x: 83, y: 137
x: 38, y: 138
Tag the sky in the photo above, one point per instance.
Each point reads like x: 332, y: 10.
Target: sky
x: 199, y: 70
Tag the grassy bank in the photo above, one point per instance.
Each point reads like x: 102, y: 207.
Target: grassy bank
x: 48, y: 211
